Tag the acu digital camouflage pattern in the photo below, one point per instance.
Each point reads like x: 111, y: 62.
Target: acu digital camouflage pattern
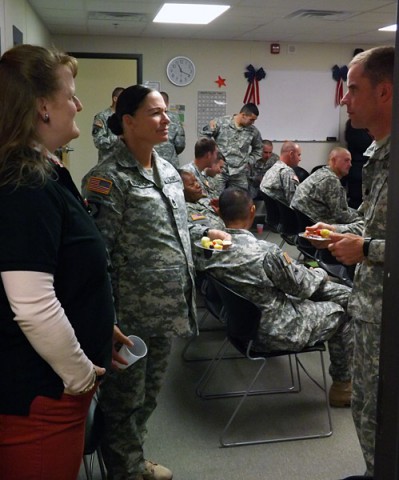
x: 240, y: 146
x: 280, y: 182
x: 322, y: 197
x: 137, y: 386
x: 299, y: 306
x: 365, y: 304
x: 176, y: 141
x: 214, y: 185
x: 201, y: 212
x: 142, y: 216
x: 104, y: 140
x: 144, y: 222
x: 256, y: 172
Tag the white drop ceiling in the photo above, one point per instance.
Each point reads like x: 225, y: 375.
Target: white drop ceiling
x: 315, y: 21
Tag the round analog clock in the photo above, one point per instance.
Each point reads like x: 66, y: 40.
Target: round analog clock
x: 180, y: 71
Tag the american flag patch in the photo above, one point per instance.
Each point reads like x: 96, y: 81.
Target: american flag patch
x: 99, y: 185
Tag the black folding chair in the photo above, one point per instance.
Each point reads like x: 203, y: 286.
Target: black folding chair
x: 301, y: 173
x: 272, y: 218
x: 242, y: 317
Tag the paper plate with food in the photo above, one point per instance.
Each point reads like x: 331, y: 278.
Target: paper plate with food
x: 321, y: 235
x: 217, y: 245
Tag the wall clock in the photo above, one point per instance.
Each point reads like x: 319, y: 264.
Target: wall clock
x: 180, y: 71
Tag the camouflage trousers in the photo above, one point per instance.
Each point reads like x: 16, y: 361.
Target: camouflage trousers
x: 239, y: 180
x: 337, y: 331
x: 322, y: 318
x: 127, y: 399
x: 365, y: 387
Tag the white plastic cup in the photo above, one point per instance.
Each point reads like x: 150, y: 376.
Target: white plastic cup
x: 259, y: 227
x: 134, y: 353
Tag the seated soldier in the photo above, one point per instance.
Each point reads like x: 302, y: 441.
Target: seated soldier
x: 322, y: 197
x: 257, y: 171
x: 212, y: 177
x: 300, y: 306
x: 205, y: 155
x: 281, y: 181
x: 200, y: 209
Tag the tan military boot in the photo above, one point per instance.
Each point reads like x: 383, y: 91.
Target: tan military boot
x: 154, y: 471
x: 340, y: 394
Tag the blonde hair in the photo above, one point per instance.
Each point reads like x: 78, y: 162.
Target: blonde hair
x: 27, y: 73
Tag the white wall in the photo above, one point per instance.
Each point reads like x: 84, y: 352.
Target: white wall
x: 20, y: 14
x: 224, y: 58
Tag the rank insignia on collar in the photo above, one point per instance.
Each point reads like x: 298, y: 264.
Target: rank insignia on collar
x: 287, y: 258
x: 99, y: 185
x: 197, y: 216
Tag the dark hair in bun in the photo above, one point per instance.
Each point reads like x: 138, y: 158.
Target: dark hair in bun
x: 128, y: 102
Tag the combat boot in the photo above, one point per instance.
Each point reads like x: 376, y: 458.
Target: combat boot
x: 340, y: 394
x: 154, y: 471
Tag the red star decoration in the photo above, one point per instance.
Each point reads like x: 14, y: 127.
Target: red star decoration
x: 221, y: 81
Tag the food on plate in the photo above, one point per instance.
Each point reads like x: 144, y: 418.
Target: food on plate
x: 321, y: 232
x: 217, y: 244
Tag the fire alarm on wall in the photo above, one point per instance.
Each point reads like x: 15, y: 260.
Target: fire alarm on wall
x: 274, y: 48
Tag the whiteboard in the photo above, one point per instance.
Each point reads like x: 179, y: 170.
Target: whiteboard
x: 298, y: 105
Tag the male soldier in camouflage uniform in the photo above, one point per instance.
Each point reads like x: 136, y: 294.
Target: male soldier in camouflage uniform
x: 322, y: 197
x: 369, y: 105
x: 104, y: 140
x: 280, y: 181
x: 176, y: 139
x: 257, y: 171
x: 199, y: 206
x: 205, y: 155
x: 212, y: 177
x: 300, y: 306
x: 239, y: 141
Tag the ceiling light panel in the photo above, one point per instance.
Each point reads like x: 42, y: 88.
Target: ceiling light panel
x: 189, y: 13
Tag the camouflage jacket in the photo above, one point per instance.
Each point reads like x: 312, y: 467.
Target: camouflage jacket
x: 256, y: 172
x: 280, y: 182
x: 104, y: 140
x: 142, y: 216
x: 214, y: 186
x: 239, y: 145
x: 263, y: 273
x: 201, y: 212
x: 176, y: 141
x: 366, y: 300
x: 322, y: 198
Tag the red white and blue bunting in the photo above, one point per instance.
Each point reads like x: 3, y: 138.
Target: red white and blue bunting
x: 253, y: 77
x: 340, y: 75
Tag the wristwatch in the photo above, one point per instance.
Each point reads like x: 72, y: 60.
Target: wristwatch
x: 366, y: 246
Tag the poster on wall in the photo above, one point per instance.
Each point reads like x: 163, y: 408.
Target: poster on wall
x: 17, y: 36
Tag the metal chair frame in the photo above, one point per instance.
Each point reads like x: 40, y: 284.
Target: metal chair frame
x: 92, y: 441
x: 243, y: 317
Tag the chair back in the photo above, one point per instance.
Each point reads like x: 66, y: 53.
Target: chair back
x: 304, y: 245
x: 301, y: 173
x: 272, y: 213
x: 242, y: 316
x: 288, y: 220
x: 212, y: 298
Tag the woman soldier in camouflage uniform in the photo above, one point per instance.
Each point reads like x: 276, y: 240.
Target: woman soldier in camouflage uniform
x: 137, y: 201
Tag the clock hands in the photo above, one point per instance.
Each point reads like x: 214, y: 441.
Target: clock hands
x: 182, y: 71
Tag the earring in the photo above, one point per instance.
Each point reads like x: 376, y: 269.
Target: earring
x: 46, y: 118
